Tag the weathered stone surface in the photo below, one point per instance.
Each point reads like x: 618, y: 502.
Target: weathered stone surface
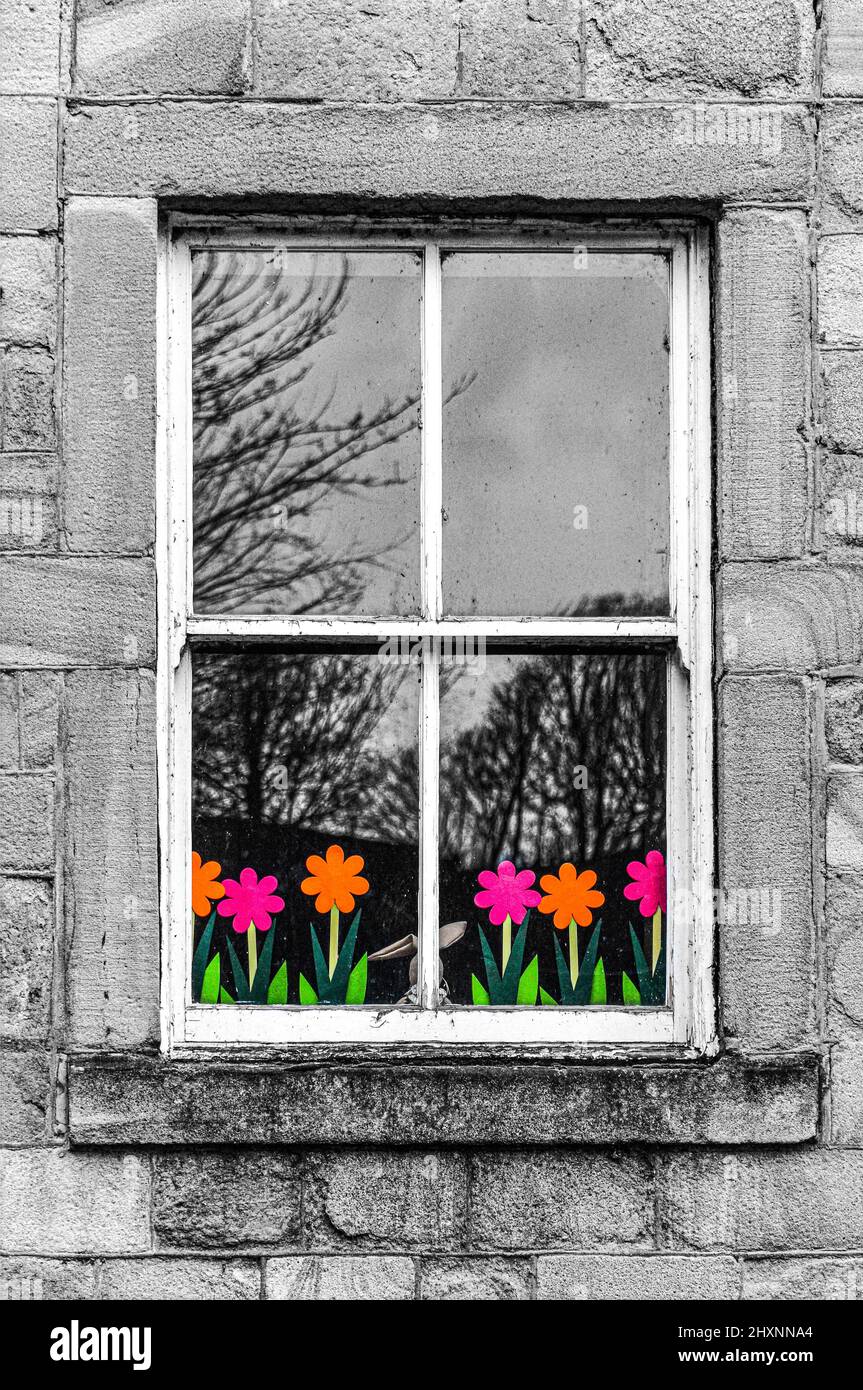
x: 840, y: 289
x: 372, y: 1199
x: 812, y: 1279
x: 597, y: 1278
x: 26, y: 958
x: 842, y: 56
x: 28, y: 163
x: 28, y: 399
x: 345, y: 50
x: 163, y: 46
x: 846, y: 1094
x: 844, y: 819
x: 28, y: 502
x: 120, y: 1101
x: 806, y: 1200
x: 54, y: 1203
x: 843, y: 399
x: 226, y: 1200
x: 843, y: 720
x: 459, y: 150
x: 842, y: 166
x: 110, y: 332
x: 10, y: 741
x: 27, y: 823
x: 30, y: 1278
x: 766, y: 954
x: 583, y: 1199
x: 29, y: 45
x: 41, y: 693
x: 519, y: 48
x: 28, y: 280
x: 474, y: 1278
x: 764, y: 379
x: 806, y: 617
x: 841, y: 500
x: 333, y: 1278
x: 111, y: 853
x: 157, y: 1278
x: 844, y: 921
x: 72, y: 612
x: 24, y: 1096
x: 641, y: 50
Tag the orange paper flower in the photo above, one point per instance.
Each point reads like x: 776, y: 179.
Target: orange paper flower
x: 335, y: 880
x: 205, y: 889
x: 570, y: 896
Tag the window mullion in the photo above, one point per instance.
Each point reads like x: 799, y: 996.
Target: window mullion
x: 430, y: 532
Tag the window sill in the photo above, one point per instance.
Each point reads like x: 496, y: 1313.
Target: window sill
x: 401, y: 1100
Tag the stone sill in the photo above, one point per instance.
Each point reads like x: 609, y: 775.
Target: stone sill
x: 142, y: 1101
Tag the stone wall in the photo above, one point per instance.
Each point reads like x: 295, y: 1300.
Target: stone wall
x: 111, y: 110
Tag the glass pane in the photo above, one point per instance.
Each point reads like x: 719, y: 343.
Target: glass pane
x: 304, y: 821
x: 305, y: 393
x: 553, y: 828
x: 556, y: 433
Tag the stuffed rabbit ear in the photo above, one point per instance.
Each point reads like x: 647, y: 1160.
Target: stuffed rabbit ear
x: 450, y: 934
x: 405, y: 946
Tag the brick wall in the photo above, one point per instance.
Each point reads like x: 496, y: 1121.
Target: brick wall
x: 111, y: 108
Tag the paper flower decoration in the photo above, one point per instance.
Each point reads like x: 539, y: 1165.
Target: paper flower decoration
x: 335, y: 880
x: 251, y: 902
x: 205, y: 888
x: 648, y: 885
x: 506, y: 893
x: 571, y: 896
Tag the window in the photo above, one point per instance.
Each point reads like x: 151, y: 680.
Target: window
x: 436, y: 634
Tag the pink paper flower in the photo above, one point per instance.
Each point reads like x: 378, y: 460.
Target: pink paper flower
x: 250, y: 902
x: 648, y: 883
x: 507, y: 893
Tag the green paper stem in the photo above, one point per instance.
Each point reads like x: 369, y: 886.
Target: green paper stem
x: 334, y: 939
x: 657, y: 939
x: 253, y: 954
x: 507, y: 943
x: 573, y: 951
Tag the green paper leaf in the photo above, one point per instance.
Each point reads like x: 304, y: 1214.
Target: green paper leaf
x: 492, y: 974
x: 584, y: 983
x: 225, y: 997
x: 651, y: 987
x: 336, y: 990
x: 479, y: 993
x: 546, y: 998
x: 261, y: 982
x: 528, y: 985
x: 356, y: 991
x: 278, y: 990
x: 307, y: 994
x: 512, y: 973
x: 630, y: 993
x: 240, y: 979
x: 210, y: 987
x: 199, y: 960
x: 322, y: 974
x: 567, y: 995
x: 598, y: 990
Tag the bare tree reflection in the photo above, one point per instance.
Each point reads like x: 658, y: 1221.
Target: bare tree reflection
x: 567, y: 763
x: 294, y: 740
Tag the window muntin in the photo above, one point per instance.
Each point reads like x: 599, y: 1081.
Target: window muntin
x: 677, y: 635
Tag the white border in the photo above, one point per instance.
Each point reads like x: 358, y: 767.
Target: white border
x: 688, y: 1022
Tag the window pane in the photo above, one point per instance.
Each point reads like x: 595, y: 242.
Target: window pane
x: 304, y: 814
x: 306, y: 389
x: 554, y: 764
x: 556, y: 433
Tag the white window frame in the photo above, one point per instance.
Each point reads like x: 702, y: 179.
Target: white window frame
x: 687, y: 1023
